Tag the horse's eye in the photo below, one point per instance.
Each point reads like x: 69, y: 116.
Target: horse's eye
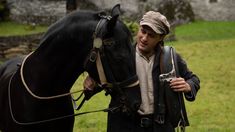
x: 108, y: 42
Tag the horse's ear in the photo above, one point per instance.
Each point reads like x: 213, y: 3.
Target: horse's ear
x: 116, y: 10
x: 115, y: 14
x: 112, y: 22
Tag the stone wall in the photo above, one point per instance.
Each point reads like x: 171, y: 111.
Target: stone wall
x: 209, y: 10
x: 129, y: 7
x: 48, y: 11
x: 12, y: 46
x: 37, y: 11
x: 177, y: 11
x: 214, y: 10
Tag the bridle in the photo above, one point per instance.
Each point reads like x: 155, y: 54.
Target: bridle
x: 94, y: 57
x: 97, y: 54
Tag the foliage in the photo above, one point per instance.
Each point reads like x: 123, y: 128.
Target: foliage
x: 4, y: 11
x: 1, y: 7
x: 132, y: 26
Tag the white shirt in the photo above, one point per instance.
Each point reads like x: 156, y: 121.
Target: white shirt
x: 144, y: 68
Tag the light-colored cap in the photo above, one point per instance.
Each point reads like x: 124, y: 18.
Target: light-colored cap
x: 156, y: 21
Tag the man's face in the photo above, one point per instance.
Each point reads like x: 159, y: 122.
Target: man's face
x: 147, y: 40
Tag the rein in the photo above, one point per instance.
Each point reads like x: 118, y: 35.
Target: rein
x: 33, y: 94
x: 51, y: 119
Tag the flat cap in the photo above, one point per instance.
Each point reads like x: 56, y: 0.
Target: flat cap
x: 156, y: 21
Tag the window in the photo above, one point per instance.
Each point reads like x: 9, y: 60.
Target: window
x: 213, y: 1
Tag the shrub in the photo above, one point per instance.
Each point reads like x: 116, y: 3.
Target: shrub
x: 4, y: 11
x: 132, y: 26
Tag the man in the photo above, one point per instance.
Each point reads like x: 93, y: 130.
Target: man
x: 153, y: 28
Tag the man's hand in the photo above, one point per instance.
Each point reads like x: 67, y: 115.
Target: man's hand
x: 89, y: 83
x: 180, y: 85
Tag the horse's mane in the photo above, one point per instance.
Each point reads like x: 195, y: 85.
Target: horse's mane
x: 65, y: 22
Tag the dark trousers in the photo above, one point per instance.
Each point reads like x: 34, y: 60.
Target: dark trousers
x: 120, y: 122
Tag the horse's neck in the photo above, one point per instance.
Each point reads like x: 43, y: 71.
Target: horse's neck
x: 56, y: 71
x: 59, y: 59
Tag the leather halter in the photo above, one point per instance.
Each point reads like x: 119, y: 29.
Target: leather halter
x: 95, y: 57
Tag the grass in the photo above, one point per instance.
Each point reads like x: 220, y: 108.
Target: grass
x: 12, y: 28
x: 214, y: 63
x: 201, y: 31
x: 94, y: 122
x: 208, y: 48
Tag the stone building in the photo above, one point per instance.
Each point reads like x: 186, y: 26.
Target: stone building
x: 48, y: 11
x: 214, y: 10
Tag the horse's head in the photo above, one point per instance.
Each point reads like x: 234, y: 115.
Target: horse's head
x: 115, y: 61
x: 65, y: 47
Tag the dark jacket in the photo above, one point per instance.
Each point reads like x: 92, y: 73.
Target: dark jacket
x: 121, y: 122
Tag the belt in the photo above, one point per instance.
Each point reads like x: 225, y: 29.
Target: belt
x: 146, y: 121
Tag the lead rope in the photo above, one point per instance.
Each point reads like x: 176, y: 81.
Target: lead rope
x: 52, y: 119
x: 36, y: 96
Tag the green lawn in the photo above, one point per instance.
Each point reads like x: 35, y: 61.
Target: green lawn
x: 202, y: 31
x: 214, y: 62
x: 13, y: 28
x: 209, y: 49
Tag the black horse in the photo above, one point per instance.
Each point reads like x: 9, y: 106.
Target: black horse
x: 29, y: 85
